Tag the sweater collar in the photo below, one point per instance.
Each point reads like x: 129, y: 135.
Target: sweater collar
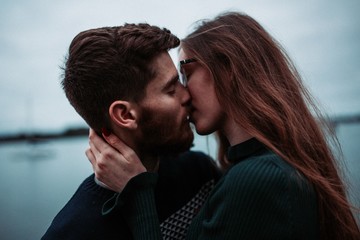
x: 245, y: 149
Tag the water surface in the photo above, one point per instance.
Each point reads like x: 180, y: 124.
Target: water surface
x: 36, y: 180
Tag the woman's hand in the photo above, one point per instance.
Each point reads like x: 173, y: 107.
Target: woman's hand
x: 114, y: 163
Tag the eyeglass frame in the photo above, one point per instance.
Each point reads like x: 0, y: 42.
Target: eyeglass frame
x: 182, y: 75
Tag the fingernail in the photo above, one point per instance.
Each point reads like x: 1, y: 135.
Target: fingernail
x: 106, y: 132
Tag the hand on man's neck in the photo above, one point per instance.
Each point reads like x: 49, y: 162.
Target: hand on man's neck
x: 150, y: 160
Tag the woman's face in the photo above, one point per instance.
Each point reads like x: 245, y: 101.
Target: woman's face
x: 206, y: 112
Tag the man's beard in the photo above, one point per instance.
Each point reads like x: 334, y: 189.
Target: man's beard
x: 161, y: 134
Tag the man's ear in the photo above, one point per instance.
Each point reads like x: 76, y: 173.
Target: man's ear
x: 124, y: 114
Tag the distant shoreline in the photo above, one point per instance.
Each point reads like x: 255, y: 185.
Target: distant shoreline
x: 38, y: 137
x: 84, y: 131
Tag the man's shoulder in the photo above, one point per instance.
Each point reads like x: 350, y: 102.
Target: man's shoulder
x: 190, y: 163
x: 184, y: 181
x: 88, y: 200
x: 81, y: 216
x: 196, y: 157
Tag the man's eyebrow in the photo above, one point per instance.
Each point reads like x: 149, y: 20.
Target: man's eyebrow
x: 171, y: 82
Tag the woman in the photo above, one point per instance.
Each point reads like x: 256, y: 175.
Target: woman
x: 282, y: 180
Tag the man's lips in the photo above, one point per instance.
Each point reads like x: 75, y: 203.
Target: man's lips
x: 186, y: 118
x: 191, y: 114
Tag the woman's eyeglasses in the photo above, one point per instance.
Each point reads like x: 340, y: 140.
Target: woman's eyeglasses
x: 182, y: 74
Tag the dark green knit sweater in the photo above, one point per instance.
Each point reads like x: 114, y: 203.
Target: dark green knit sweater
x: 260, y: 197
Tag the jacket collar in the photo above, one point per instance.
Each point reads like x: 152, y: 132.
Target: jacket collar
x: 244, y: 150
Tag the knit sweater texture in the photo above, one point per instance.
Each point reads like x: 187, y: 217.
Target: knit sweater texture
x: 260, y: 197
x: 181, y: 185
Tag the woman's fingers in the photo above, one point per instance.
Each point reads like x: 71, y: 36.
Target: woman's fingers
x: 90, y: 156
x: 97, y: 144
x: 128, y: 153
x: 113, y: 162
x: 119, y: 145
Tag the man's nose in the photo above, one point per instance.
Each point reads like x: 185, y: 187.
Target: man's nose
x: 185, y: 96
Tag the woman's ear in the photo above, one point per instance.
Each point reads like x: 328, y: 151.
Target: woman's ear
x: 124, y: 114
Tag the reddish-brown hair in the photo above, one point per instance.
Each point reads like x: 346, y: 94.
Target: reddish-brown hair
x: 261, y: 90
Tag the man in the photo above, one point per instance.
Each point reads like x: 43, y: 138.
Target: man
x: 122, y: 80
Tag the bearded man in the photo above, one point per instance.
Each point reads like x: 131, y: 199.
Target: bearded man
x: 122, y: 80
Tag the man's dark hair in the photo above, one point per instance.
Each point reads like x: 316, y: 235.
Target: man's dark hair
x: 112, y: 63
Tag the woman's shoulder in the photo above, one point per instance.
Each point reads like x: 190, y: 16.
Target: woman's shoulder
x: 267, y: 189
x: 267, y: 170
x: 265, y: 161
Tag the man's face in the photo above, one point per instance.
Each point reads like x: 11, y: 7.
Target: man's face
x: 164, y: 115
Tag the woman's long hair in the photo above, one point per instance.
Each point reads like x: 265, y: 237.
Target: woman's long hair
x: 262, y: 91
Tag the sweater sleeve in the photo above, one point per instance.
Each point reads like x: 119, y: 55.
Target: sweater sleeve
x: 179, y: 185
x: 81, y: 217
x: 253, y: 201
x: 138, y: 205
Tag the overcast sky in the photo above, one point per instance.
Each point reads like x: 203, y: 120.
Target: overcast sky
x: 321, y: 36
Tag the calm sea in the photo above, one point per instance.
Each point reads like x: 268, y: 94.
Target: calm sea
x: 37, y: 180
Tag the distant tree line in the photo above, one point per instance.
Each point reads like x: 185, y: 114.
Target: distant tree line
x: 83, y: 131
x: 35, y: 137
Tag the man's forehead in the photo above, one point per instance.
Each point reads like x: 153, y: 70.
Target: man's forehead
x: 164, y: 69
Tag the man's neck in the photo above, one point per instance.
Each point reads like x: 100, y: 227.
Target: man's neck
x: 148, y: 159
x: 151, y: 163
